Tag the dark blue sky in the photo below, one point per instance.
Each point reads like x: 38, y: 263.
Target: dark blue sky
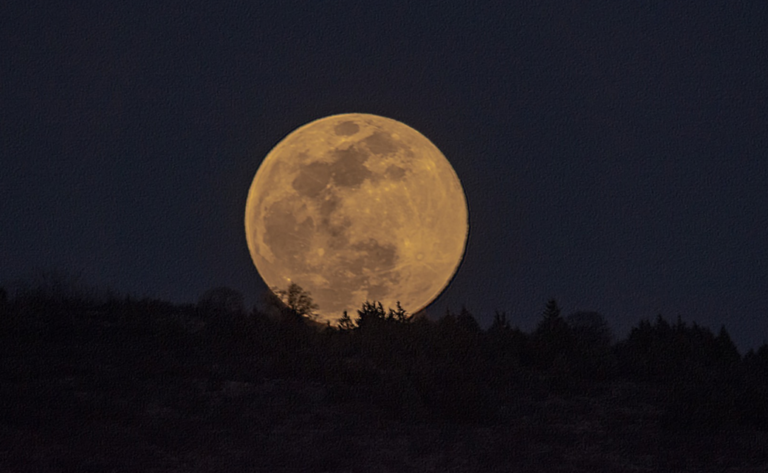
x: 614, y: 155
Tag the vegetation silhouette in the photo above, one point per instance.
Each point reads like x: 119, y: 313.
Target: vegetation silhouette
x: 73, y: 358
x: 293, y: 303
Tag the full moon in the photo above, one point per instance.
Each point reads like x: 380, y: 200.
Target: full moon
x: 357, y: 208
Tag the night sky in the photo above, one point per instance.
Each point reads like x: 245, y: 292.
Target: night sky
x: 613, y: 154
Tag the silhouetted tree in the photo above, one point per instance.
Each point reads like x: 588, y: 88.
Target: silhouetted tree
x: 645, y: 353
x: 399, y: 315
x: 381, y: 336
x: 670, y: 353
x: 447, y: 323
x: 708, y: 388
x: 728, y: 352
x: 757, y: 360
x: 551, y: 322
x: 591, y: 343
x: 500, y: 322
x: 297, y: 301
x: 345, y: 322
x: 455, y: 342
x: 590, y: 327
x: 371, y: 314
x: 467, y: 322
x: 221, y: 302
x: 552, y: 339
x: 60, y: 287
x: 662, y: 327
x: 505, y: 348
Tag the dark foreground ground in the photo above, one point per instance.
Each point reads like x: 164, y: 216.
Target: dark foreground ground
x: 73, y: 412
x: 95, y: 399
x: 180, y: 426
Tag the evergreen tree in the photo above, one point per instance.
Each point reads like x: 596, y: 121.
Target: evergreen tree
x: 552, y: 322
x: 726, y: 348
x: 466, y: 321
x: 552, y: 310
x: 371, y: 314
x: 447, y: 322
x: 399, y: 315
x: 346, y: 323
x: 593, y: 357
x: 590, y: 327
x: 662, y: 327
x: 500, y: 322
x: 552, y: 339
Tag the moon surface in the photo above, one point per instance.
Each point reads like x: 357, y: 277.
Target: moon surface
x: 356, y: 208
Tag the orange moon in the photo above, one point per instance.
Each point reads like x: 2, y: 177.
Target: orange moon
x: 356, y: 208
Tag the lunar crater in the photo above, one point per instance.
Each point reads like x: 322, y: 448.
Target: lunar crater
x: 346, y: 128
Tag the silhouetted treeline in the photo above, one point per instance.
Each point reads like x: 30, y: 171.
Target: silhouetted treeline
x: 411, y: 367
